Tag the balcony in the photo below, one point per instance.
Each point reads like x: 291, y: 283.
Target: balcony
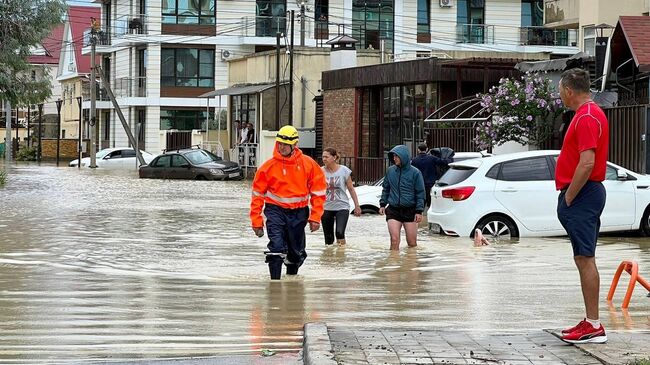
x: 263, y: 26
x: 126, y: 30
x: 543, y: 36
x: 130, y: 87
x: 475, y: 33
x: 134, y: 24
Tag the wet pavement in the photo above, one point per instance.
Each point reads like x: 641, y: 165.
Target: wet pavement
x: 105, y: 266
x: 343, y: 345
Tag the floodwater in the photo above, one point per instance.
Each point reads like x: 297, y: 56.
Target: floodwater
x: 97, y: 266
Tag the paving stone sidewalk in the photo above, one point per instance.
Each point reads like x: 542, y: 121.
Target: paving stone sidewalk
x: 353, y: 346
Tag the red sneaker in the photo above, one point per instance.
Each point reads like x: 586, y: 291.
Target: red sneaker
x: 586, y: 334
x: 569, y: 330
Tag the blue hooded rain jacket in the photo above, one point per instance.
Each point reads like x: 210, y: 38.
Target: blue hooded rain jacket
x: 403, y: 185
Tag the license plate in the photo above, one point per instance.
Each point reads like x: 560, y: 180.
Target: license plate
x: 435, y: 228
x: 235, y: 174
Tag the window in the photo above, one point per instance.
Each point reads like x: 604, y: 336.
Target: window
x: 590, y: 40
x: 270, y: 17
x: 183, y: 120
x: 493, y: 173
x: 179, y: 161
x: 470, y: 20
x: 188, y: 11
x: 187, y: 67
x: 162, y: 161
x: 424, y: 16
x: 243, y: 108
x: 321, y: 16
x: 128, y: 153
x: 455, y: 175
x: 372, y: 22
x: 532, y: 13
x: 528, y: 169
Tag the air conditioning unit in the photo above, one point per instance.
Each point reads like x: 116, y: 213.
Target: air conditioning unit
x: 225, y: 54
x: 446, y: 3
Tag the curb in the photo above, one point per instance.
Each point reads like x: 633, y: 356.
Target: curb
x: 317, y: 348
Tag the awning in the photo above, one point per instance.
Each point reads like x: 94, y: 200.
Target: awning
x: 240, y: 90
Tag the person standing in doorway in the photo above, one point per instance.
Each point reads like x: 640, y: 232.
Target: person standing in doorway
x: 427, y: 163
x: 580, y: 171
x: 251, y: 133
x: 402, y: 197
x: 283, y: 188
x: 337, y: 204
x: 243, y: 133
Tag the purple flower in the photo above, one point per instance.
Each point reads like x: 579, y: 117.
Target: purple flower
x: 514, y: 102
x: 529, y: 118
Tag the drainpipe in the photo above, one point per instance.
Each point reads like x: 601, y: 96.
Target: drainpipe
x: 303, y: 95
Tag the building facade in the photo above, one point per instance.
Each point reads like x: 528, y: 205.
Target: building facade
x: 160, y: 57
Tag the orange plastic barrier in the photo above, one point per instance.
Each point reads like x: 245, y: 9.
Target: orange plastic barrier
x: 632, y: 268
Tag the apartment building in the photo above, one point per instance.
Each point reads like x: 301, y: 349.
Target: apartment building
x: 591, y: 19
x: 161, y: 56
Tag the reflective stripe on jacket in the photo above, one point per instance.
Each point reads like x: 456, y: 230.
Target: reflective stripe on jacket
x: 289, y: 182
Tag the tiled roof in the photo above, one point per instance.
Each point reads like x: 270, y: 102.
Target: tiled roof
x: 79, y: 18
x: 52, y: 45
x: 636, y: 30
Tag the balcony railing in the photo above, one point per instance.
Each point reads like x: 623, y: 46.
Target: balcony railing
x: 542, y: 36
x: 263, y: 26
x: 475, y: 33
x: 126, y: 87
x: 103, y: 37
x: 100, y: 93
x: 130, y: 24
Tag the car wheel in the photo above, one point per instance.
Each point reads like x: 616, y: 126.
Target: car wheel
x: 645, y: 222
x: 497, y: 227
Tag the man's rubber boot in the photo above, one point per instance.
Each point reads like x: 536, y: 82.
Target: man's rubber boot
x: 275, y: 267
x: 292, y: 269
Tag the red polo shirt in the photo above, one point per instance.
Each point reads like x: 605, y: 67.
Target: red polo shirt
x: 588, y: 130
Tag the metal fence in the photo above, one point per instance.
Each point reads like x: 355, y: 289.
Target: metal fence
x: 366, y: 170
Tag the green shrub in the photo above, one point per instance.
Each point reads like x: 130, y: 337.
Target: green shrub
x: 3, y: 177
x: 26, y: 154
x: 640, y: 362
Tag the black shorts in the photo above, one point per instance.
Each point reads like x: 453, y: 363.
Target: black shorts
x: 582, y: 219
x: 400, y: 214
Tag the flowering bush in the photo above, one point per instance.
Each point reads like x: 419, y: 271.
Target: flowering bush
x: 522, y: 111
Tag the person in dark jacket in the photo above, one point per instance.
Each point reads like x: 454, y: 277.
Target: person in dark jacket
x: 427, y: 164
x: 402, y: 197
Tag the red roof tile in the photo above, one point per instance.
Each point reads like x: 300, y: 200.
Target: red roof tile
x: 79, y: 18
x: 52, y: 45
x: 636, y: 30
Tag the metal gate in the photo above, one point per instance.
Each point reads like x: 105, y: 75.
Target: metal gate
x: 628, y: 137
x: 178, y: 140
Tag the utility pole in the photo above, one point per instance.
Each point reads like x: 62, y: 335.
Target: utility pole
x: 291, y: 70
x: 93, y: 95
x: 302, y: 24
x: 79, y: 149
x: 29, y: 115
x: 8, y: 142
x: 277, y: 80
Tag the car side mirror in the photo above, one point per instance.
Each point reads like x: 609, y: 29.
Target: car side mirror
x: 621, y: 175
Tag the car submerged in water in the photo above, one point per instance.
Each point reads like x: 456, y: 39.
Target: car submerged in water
x: 191, y: 164
x: 114, y: 158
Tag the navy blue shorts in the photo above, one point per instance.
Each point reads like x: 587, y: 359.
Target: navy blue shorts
x: 582, y: 219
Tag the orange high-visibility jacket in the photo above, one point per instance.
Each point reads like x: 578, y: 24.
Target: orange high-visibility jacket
x: 288, y: 182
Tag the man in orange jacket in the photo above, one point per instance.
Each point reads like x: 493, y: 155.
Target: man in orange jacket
x: 284, y: 186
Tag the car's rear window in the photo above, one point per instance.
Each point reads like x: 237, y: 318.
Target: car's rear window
x: 455, y: 175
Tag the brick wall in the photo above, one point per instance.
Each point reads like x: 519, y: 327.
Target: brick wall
x: 67, y: 148
x: 338, y: 121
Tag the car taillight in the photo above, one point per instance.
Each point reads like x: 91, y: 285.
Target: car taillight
x: 458, y: 194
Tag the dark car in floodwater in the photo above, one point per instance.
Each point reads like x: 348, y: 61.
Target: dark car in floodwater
x: 191, y: 164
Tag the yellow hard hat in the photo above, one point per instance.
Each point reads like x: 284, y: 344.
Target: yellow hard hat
x: 287, y: 134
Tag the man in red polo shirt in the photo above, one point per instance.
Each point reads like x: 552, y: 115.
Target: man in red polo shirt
x: 579, y: 174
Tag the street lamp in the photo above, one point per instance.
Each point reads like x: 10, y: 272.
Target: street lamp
x: 79, y: 153
x: 40, y: 130
x: 58, y: 129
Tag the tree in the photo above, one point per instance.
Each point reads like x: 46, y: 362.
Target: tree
x: 23, y: 26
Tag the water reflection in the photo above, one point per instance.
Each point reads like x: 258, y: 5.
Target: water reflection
x: 98, y: 265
